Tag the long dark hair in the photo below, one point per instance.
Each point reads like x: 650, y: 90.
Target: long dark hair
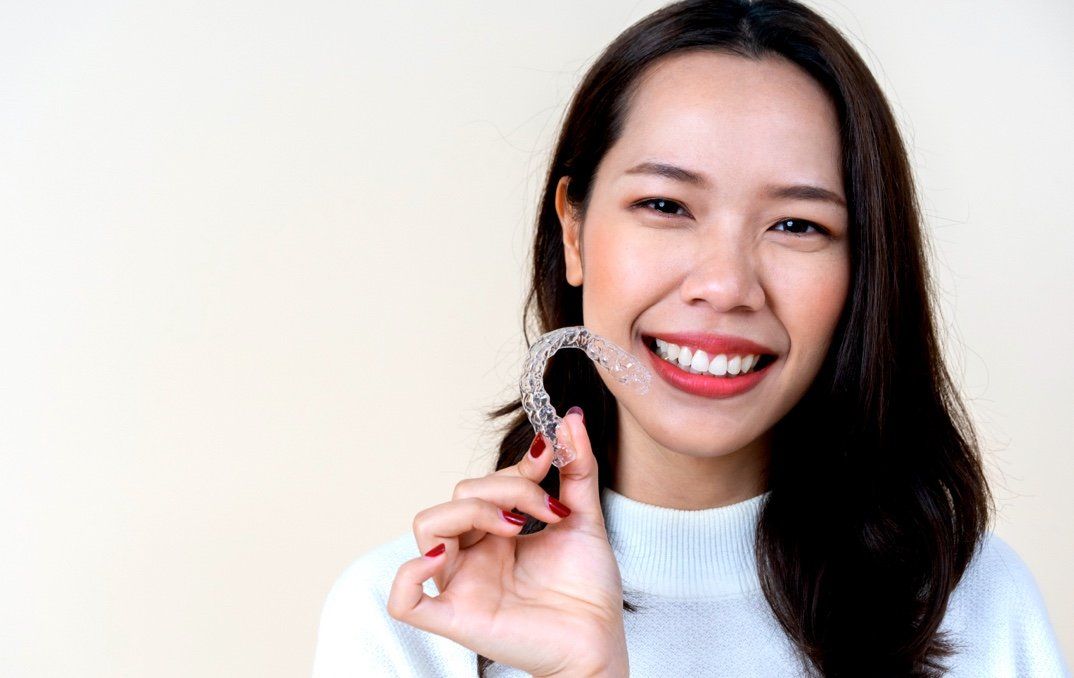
x: 878, y: 499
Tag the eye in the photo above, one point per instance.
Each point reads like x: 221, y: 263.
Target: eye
x: 663, y: 206
x: 797, y: 226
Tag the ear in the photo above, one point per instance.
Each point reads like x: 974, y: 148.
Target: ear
x: 572, y: 229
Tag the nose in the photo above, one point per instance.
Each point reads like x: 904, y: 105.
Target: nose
x: 724, y: 275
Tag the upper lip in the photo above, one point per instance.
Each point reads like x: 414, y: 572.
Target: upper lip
x: 715, y: 344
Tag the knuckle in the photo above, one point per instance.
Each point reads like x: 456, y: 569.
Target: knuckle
x: 463, y: 488
x: 476, y: 509
x: 394, y: 611
x: 393, y: 606
x: 420, y: 521
x: 473, y: 504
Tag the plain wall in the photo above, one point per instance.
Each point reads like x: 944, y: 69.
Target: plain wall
x: 262, y: 271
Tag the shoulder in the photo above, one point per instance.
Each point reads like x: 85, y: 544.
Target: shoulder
x: 997, y: 617
x: 997, y: 580
x: 369, y: 576
x: 357, y: 637
x: 996, y: 570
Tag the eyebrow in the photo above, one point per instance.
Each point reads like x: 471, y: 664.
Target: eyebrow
x: 670, y: 172
x: 790, y: 192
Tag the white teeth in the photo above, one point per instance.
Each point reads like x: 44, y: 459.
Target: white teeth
x: 672, y: 351
x: 718, y: 368
x: 748, y: 362
x: 698, y: 361
x: 685, y: 357
x: 734, y: 365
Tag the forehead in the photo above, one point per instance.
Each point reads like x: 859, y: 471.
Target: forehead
x: 732, y: 117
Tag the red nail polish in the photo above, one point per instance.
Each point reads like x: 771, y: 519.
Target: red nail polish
x: 578, y: 410
x: 558, y: 508
x: 537, y: 446
x: 513, y: 518
x: 436, y: 550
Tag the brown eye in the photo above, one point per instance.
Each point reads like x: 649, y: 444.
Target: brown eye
x: 664, y: 206
x: 799, y: 226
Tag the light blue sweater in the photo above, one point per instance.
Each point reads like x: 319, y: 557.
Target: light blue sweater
x: 693, y: 576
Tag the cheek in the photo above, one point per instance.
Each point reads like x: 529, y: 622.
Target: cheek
x: 619, y: 268
x: 807, y: 292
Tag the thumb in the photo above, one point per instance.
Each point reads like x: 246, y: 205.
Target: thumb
x: 579, y: 485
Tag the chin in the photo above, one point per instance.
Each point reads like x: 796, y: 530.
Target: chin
x: 703, y: 446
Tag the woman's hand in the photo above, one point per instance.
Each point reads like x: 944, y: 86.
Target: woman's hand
x: 549, y: 603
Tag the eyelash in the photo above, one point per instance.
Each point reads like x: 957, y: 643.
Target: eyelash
x: 817, y: 227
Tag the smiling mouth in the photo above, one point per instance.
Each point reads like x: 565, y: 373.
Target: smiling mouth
x: 721, y: 366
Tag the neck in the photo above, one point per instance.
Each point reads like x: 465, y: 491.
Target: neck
x: 692, y: 555
x: 651, y: 473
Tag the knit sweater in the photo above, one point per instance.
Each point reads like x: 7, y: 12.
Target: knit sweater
x: 693, y: 576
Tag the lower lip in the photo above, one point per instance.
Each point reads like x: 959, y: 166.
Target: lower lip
x: 707, y: 386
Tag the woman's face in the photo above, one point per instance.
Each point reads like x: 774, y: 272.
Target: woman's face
x: 695, y: 227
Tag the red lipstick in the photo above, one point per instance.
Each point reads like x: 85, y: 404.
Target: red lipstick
x: 715, y: 344
x: 707, y: 385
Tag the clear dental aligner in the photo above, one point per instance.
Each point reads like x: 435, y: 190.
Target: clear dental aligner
x: 626, y: 369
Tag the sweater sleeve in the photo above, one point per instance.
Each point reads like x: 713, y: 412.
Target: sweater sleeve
x: 357, y: 638
x: 1000, y: 621
x: 350, y: 640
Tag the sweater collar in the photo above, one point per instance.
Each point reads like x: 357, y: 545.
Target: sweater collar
x: 684, y: 554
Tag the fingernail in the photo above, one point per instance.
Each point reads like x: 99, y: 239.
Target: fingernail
x: 513, y: 518
x: 537, y: 446
x: 563, y: 434
x: 578, y: 410
x: 558, y: 508
x: 436, y: 550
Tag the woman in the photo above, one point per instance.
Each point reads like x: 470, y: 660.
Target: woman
x: 801, y: 491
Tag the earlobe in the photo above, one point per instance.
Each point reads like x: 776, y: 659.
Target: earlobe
x: 571, y: 228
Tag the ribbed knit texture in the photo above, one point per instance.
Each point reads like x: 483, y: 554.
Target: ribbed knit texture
x: 688, y: 555
x: 692, y: 575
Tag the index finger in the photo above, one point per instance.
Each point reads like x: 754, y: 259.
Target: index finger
x: 534, y: 464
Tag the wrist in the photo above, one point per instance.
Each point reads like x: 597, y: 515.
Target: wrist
x: 615, y: 670
x: 615, y: 666
x: 606, y: 658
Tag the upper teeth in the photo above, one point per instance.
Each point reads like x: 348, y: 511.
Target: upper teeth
x: 698, y: 362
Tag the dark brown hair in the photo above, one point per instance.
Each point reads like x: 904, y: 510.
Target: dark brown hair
x: 878, y: 497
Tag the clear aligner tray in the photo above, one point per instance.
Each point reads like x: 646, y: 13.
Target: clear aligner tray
x: 626, y: 368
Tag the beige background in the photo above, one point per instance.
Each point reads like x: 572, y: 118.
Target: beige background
x: 262, y: 267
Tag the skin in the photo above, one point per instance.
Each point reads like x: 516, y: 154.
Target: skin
x: 719, y: 260
x: 550, y: 603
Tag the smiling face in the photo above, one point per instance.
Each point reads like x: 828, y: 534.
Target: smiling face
x: 688, y: 231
